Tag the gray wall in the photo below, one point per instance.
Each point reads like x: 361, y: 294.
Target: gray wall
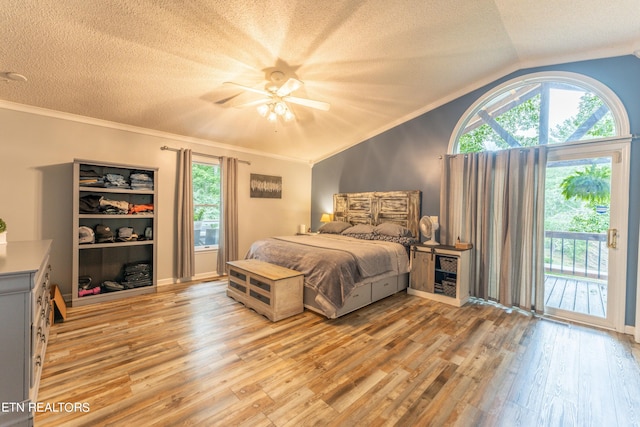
x: 37, y: 152
x: 406, y: 157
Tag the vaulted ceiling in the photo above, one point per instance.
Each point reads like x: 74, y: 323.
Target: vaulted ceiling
x: 161, y: 65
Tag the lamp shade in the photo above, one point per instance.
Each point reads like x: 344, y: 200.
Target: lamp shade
x: 325, y: 217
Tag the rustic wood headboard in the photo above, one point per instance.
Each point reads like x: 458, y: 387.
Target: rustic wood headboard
x: 398, y: 207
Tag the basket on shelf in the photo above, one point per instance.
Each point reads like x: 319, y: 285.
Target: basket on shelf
x: 449, y: 264
x: 449, y: 288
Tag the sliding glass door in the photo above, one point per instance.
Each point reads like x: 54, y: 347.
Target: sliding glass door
x: 586, y: 209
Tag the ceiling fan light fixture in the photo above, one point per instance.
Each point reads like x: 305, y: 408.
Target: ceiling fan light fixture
x: 288, y: 115
x: 280, y: 108
x: 263, y: 110
x: 277, y: 98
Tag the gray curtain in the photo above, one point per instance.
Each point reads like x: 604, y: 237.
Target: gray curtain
x: 228, y: 239
x: 495, y: 200
x: 186, y: 254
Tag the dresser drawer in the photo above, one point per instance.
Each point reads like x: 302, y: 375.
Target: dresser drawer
x: 359, y: 297
x: 41, y: 293
x: 40, y: 329
x: 383, y: 288
x: 237, y: 285
x: 261, y: 298
x: 40, y: 301
x: 40, y: 338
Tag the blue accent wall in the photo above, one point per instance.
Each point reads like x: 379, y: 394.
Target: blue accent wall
x: 406, y: 157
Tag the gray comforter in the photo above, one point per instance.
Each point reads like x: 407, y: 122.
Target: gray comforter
x: 332, y: 264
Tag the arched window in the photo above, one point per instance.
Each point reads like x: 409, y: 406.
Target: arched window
x: 538, y: 109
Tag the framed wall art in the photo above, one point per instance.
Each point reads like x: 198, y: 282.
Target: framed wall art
x: 265, y: 186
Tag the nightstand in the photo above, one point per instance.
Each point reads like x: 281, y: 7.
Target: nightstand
x: 440, y: 273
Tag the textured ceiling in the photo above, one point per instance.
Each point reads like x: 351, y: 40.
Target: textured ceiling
x: 161, y: 65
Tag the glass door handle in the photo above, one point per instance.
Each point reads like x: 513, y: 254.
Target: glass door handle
x: 612, y: 238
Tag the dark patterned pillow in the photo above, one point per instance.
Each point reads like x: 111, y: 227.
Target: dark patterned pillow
x: 361, y: 236
x: 404, y: 241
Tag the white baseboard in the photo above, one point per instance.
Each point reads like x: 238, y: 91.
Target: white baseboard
x: 162, y: 282
x: 201, y: 276
x: 629, y: 330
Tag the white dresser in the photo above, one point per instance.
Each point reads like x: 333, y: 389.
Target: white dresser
x: 25, y: 322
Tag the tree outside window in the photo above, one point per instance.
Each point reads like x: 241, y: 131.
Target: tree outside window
x: 538, y: 113
x: 206, y: 204
x: 544, y: 113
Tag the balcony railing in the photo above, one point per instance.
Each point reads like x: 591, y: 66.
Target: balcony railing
x: 576, y: 254
x: 206, y: 232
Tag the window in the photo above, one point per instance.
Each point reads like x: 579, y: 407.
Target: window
x: 206, y: 205
x: 538, y: 109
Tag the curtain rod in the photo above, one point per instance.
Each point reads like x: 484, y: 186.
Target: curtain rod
x: 558, y: 146
x: 164, y: 147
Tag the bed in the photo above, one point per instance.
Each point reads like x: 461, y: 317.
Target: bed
x: 355, y: 260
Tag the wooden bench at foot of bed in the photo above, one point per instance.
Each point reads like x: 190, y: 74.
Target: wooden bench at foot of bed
x: 271, y: 290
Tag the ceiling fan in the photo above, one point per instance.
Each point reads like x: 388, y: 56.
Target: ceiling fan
x: 276, y: 96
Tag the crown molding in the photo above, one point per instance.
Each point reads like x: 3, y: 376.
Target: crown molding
x: 45, y: 112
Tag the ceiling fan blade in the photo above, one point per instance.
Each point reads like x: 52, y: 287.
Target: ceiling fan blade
x: 250, y: 89
x: 289, y: 86
x: 254, y: 103
x: 319, y: 105
x: 224, y: 101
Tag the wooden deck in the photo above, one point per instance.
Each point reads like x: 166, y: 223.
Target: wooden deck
x: 576, y: 294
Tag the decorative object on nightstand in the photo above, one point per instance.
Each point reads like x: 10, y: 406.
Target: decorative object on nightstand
x: 440, y: 273
x: 428, y: 227
x: 326, y: 217
x: 463, y: 245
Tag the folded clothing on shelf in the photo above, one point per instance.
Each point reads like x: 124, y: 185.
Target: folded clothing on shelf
x: 93, y: 204
x: 90, y: 204
x: 137, y: 274
x: 114, y: 206
x: 147, y: 207
x: 90, y: 178
x: 141, y: 181
x: 116, y: 180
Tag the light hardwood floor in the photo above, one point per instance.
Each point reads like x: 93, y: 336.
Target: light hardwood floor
x: 193, y: 356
